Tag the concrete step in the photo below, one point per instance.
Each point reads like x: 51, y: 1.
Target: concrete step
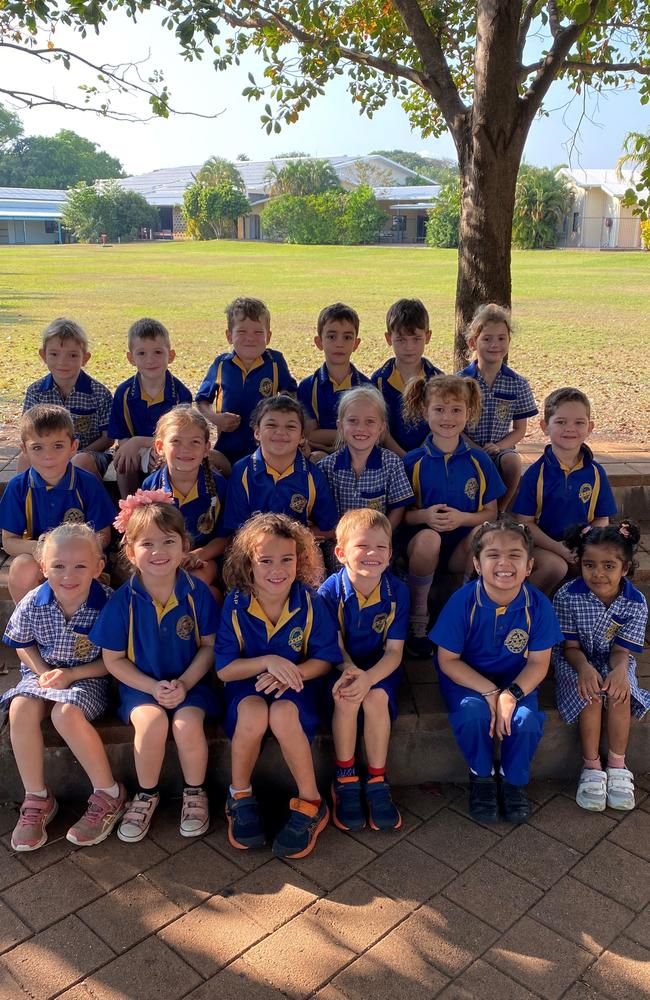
x: 422, y: 745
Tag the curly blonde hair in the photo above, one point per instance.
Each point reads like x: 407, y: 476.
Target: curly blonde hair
x: 238, y: 567
x: 419, y: 391
x: 68, y: 532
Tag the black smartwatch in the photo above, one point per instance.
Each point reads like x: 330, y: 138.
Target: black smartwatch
x: 515, y: 691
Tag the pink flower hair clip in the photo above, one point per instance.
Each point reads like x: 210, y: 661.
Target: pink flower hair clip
x: 624, y: 529
x: 141, y: 498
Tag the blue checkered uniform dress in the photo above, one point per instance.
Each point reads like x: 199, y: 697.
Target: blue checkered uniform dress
x: 39, y: 621
x: 584, y: 618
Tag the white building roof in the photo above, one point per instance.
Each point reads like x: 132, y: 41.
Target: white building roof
x: 425, y: 193
x: 31, y: 203
x: 607, y: 180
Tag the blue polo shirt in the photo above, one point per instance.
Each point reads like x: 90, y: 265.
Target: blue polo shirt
x: 305, y: 630
x: 320, y: 395
x: 88, y: 403
x: 134, y: 414
x: 558, y: 497
x: 160, y: 641
x: 29, y: 506
x: 301, y: 492
x: 234, y: 390
x: 496, y: 640
x: 202, y: 508
x: 508, y: 398
x: 366, y: 624
x: 465, y: 479
x: 408, y: 434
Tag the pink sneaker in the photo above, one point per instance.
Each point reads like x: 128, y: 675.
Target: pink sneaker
x: 35, y: 813
x: 100, y: 817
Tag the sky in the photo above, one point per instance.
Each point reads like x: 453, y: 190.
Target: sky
x: 332, y: 126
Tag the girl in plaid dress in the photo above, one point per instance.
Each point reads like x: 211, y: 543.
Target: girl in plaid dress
x: 63, y: 676
x: 603, y: 618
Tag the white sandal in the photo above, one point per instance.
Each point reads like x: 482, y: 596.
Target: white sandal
x: 593, y: 790
x: 620, y: 788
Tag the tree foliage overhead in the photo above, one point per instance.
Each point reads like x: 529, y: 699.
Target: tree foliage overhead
x: 636, y: 153
x: 59, y: 161
x: 90, y: 211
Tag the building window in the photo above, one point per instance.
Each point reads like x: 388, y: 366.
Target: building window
x: 51, y: 227
x: 399, y: 224
x: 576, y: 222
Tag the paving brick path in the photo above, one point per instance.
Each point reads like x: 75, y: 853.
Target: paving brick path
x: 557, y: 908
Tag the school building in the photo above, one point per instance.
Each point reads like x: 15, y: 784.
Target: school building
x: 597, y: 218
x: 31, y: 215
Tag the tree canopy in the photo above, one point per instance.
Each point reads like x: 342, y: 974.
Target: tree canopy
x: 59, y: 161
x: 302, y: 177
x: 428, y: 169
x: 91, y: 211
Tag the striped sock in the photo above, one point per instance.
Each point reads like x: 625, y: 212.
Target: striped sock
x: 345, y: 769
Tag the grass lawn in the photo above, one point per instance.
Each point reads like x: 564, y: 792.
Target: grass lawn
x: 580, y: 316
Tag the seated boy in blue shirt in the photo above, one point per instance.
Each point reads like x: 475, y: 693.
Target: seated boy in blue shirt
x: 563, y: 487
x: 65, y: 351
x: 372, y: 608
x: 408, y: 333
x: 141, y: 401
x: 277, y: 478
x: 50, y: 492
x: 237, y: 380
x: 337, y: 337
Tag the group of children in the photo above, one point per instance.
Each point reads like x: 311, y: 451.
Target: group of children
x: 384, y: 480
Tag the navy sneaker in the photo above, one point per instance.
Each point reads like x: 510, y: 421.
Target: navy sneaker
x: 347, y: 810
x: 244, y: 824
x: 418, y: 643
x: 298, y: 836
x: 514, y: 803
x: 382, y: 811
x: 483, y: 803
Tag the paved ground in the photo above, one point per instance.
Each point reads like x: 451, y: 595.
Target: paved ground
x: 559, y: 907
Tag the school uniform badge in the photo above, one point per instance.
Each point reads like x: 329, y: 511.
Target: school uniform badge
x: 502, y: 410
x: 471, y: 488
x: 585, y: 492
x: 266, y: 387
x: 205, y: 523
x: 379, y: 623
x: 184, y: 627
x: 82, y: 422
x: 298, y: 503
x: 516, y: 640
x: 612, y: 630
x: 83, y: 647
x: 74, y: 516
x: 296, y: 636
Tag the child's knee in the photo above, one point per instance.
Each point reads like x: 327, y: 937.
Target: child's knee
x: 345, y: 709
x: 188, y: 725
x: 25, y: 710
x: 284, y: 718
x: 375, y: 704
x: 510, y: 467
x: 83, y: 460
x: 65, y: 715
x: 150, y: 719
x: 252, y: 718
x: 24, y: 575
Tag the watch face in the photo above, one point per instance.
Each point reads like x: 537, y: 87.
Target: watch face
x: 516, y: 692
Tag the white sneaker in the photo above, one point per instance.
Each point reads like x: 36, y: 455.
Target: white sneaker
x: 620, y: 788
x: 195, y: 816
x: 137, y: 818
x: 592, y: 790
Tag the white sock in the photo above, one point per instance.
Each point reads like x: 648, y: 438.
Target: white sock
x: 113, y: 791
x: 240, y: 791
x: 41, y: 794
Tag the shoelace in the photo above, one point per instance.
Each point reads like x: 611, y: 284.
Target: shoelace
x: 31, y: 814
x: 95, y: 811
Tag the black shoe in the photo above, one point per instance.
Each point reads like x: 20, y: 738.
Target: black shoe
x: 483, y: 803
x: 418, y: 644
x: 514, y: 803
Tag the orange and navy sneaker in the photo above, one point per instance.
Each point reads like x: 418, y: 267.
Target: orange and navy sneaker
x: 244, y: 824
x: 298, y: 836
x: 347, y: 808
x: 382, y: 811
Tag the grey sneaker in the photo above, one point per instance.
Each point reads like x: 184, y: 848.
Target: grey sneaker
x: 137, y: 818
x: 195, y: 814
x: 620, y: 788
x: 35, y: 813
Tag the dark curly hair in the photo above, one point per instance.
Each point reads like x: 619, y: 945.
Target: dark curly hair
x: 624, y: 536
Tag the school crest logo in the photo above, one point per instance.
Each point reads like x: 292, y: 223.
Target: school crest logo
x: 184, y: 627
x: 471, y: 488
x: 516, y: 640
x: 379, y: 623
x: 74, y: 516
x: 266, y: 387
x: 298, y: 503
x: 502, y: 409
x: 374, y: 503
x: 205, y: 523
x: 295, y: 639
x: 82, y: 423
x: 611, y: 631
x: 83, y: 647
x: 585, y: 492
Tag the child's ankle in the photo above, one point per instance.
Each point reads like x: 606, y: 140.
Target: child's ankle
x: 594, y: 764
x: 616, y: 760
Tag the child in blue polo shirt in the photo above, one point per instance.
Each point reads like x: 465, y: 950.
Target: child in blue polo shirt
x: 278, y: 477
x: 61, y: 676
x: 494, y: 639
x: 275, y: 639
x: 237, y: 380
x: 337, y: 337
x: 157, y: 637
x: 507, y: 399
x: 372, y: 607
x: 65, y: 352
x: 563, y: 487
x: 50, y: 492
x: 408, y: 333
x: 139, y: 402
x: 603, y: 618
x: 182, y: 440
x: 456, y: 488
x: 361, y: 473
